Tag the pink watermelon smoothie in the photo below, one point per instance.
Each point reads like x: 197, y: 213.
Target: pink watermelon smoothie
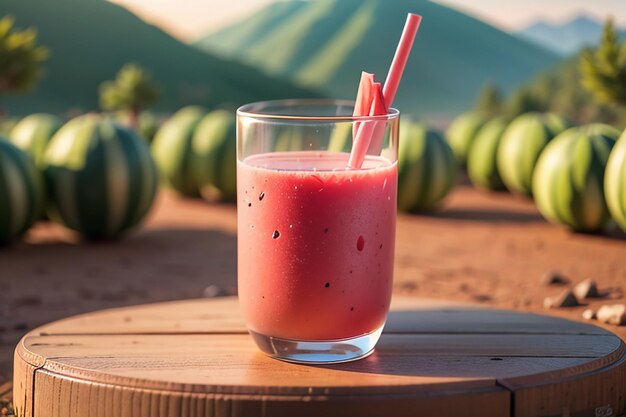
x: 315, y: 244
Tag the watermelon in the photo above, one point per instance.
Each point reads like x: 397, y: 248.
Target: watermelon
x: 364, y: 95
x: 148, y: 123
x: 172, y: 150
x: 215, y: 155
x: 101, y: 177
x: 364, y: 98
x: 196, y: 153
x: 33, y: 133
x: 520, y: 147
x: 461, y: 134
x: 615, y: 182
x: 368, y: 137
x: 426, y: 168
x: 21, y: 193
x: 481, y: 160
x: 568, y: 180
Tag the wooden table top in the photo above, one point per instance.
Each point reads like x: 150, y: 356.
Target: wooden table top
x: 195, y: 358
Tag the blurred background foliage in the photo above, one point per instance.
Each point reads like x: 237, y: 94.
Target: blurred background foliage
x: 589, y: 86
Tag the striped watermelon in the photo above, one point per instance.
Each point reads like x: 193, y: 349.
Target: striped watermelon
x: 172, y: 149
x: 196, y: 153
x: 461, y: 133
x: 100, y: 175
x: 615, y: 182
x: 33, y: 133
x: 481, y: 160
x: 426, y: 168
x: 21, y: 195
x: 520, y: 147
x: 215, y: 155
x: 568, y: 179
x: 147, y: 122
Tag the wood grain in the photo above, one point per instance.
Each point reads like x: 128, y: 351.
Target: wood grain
x: 103, y: 400
x: 25, y: 365
x: 598, y: 393
x: 222, y: 315
x: 194, y: 358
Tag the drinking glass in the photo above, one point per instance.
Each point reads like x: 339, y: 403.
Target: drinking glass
x: 315, y: 237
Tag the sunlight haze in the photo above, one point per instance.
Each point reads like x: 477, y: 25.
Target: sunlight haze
x: 191, y: 19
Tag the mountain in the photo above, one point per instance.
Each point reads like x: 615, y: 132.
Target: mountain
x: 325, y: 44
x: 566, y: 38
x: 90, y: 40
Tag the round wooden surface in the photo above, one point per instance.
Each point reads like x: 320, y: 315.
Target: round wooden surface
x: 194, y: 358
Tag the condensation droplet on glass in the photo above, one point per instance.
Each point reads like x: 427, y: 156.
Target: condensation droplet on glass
x: 385, y: 183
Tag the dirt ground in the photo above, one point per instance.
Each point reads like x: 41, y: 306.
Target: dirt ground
x: 492, y: 249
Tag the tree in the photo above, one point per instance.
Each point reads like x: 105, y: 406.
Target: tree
x: 132, y: 90
x: 20, y: 57
x: 603, y: 70
x: 489, y: 100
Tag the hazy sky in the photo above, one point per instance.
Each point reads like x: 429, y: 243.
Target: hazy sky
x: 190, y: 19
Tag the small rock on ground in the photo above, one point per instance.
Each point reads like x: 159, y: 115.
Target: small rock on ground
x: 565, y: 299
x: 555, y: 278
x: 612, y: 314
x: 586, y: 289
x: 214, y: 291
x: 589, y: 314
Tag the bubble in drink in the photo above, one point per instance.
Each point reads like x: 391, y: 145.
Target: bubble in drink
x: 276, y: 234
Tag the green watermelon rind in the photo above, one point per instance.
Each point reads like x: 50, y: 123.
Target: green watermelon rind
x: 569, y: 177
x: 21, y: 192
x: 33, y: 133
x: 482, y: 167
x: 615, y: 182
x: 214, y: 155
x: 426, y: 168
x: 461, y: 134
x: 520, y: 147
x: 101, y: 177
x: 172, y: 150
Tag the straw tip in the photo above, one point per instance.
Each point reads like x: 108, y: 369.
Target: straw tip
x: 416, y: 18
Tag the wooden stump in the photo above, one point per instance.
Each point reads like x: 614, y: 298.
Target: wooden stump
x: 194, y: 358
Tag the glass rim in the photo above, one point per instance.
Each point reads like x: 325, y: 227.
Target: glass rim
x: 249, y: 110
